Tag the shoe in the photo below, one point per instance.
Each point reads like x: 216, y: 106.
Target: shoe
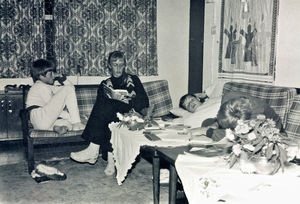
x: 78, y: 126
x: 44, y: 173
x: 84, y: 157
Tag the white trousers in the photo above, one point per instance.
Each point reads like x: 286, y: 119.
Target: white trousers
x: 44, y: 118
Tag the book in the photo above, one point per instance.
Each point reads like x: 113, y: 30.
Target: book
x: 110, y: 91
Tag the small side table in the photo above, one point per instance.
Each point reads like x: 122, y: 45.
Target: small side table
x: 169, y: 155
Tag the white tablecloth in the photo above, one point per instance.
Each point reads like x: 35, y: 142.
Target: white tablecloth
x: 208, y: 179
x: 126, y: 145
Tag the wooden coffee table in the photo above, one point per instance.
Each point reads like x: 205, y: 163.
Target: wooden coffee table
x: 168, y: 155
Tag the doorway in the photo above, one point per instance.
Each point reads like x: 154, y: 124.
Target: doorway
x: 196, y: 41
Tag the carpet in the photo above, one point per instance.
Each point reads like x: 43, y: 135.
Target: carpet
x: 84, y: 184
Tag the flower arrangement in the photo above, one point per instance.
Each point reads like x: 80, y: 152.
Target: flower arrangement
x: 257, y: 138
x: 135, y: 121
x: 132, y: 120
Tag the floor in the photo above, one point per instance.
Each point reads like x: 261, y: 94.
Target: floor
x: 13, y: 153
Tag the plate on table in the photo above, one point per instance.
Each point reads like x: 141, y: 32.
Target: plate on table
x: 207, y: 150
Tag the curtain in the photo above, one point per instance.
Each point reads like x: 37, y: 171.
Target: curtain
x: 22, y: 36
x: 88, y: 30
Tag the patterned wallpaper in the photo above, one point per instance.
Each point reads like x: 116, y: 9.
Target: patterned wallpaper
x: 79, y: 37
x: 22, y: 36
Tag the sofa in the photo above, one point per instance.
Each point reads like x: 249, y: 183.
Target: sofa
x: 283, y: 100
x: 159, y: 99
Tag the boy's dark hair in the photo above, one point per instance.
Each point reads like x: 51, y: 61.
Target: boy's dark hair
x: 233, y: 110
x: 116, y: 55
x: 182, y: 99
x: 41, y: 67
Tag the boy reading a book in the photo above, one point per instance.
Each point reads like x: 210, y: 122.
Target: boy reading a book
x: 109, y: 102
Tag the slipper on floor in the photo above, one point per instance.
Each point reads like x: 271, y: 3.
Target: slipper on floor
x: 44, y: 173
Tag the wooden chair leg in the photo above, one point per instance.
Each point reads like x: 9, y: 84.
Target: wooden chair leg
x: 156, y: 177
x: 172, y: 184
x: 30, y: 155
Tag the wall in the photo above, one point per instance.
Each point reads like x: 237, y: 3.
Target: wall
x: 288, y: 43
x: 172, y: 49
x: 211, y: 42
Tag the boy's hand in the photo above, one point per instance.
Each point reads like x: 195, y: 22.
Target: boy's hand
x: 60, y: 78
x: 201, y: 96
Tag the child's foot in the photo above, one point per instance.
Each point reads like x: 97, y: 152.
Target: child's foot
x: 60, y: 129
x: 78, y: 126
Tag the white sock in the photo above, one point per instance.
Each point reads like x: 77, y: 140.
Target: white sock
x: 110, y: 168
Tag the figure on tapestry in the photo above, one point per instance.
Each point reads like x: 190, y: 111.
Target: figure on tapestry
x: 234, y: 50
x: 250, y: 46
x: 230, y: 33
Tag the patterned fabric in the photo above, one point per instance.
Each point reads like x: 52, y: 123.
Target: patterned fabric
x: 293, y: 119
x: 48, y: 133
x: 86, y: 97
x: 279, y: 98
x: 157, y: 91
x: 159, y: 97
x: 88, y: 30
x: 22, y: 36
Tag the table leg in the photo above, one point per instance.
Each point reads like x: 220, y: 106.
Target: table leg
x: 156, y: 175
x: 172, y: 185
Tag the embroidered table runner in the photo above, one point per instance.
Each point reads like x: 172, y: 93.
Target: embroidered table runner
x: 126, y: 145
x: 209, y: 180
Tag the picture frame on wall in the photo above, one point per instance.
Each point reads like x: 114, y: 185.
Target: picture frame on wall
x: 248, y: 40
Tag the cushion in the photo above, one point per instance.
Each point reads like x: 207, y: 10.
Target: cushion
x: 215, y: 91
x: 86, y: 97
x: 235, y: 94
x: 159, y: 97
x: 278, y: 98
x: 208, y: 109
x: 293, y: 120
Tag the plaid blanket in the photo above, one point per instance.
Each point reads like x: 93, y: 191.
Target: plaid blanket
x: 279, y: 98
x: 293, y: 120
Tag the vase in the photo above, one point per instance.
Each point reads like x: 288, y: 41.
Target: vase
x: 265, y: 166
x: 259, y: 165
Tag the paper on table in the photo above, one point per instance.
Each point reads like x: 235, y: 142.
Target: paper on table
x: 207, y: 151
x: 171, y: 135
x: 203, y: 140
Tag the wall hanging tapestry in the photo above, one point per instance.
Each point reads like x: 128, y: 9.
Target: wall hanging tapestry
x: 88, y: 30
x: 22, y: 36
x: 247, y: 40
